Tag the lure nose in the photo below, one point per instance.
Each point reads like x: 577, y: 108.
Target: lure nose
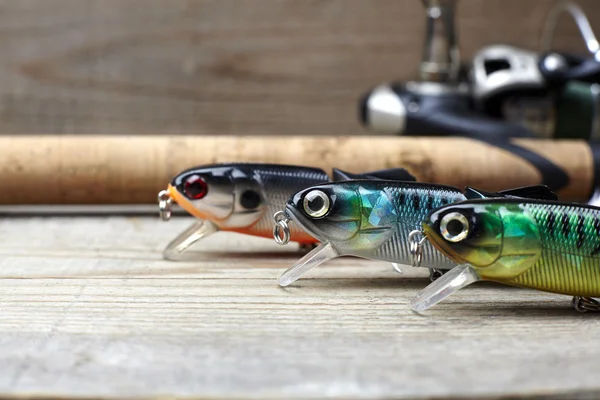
x: 430, y: 230
x: 170, y: 195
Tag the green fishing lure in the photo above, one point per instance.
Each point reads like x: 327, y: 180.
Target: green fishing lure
x: 548, y: 246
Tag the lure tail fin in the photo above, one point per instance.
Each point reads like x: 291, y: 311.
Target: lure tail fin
x: 320, y: 254
x: 536, y: 192
x: 392, y: 174
x: 452, y: 281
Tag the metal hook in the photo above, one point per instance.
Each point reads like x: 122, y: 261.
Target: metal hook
x: 582, y: 22
x: 585, y: 304
x: 281, y: 230
x: 165, y: 203
x: 435, y: 274
x: 416, y: 239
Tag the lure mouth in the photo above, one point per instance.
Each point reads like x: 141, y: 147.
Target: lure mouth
x: 170, y: 195
x: 296, y: 216
x: 440, y: 244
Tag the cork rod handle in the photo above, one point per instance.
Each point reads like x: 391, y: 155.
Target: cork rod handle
x: 132, y: 169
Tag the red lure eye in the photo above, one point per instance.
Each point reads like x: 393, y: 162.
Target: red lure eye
x: 195, y: 188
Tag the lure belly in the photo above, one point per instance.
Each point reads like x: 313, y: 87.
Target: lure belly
x: 242, y: 198
x: 548, y: 246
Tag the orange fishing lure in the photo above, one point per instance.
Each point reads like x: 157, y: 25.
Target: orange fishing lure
x: 244, y: 197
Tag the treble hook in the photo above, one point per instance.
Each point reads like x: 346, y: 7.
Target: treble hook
x: 585, y: 304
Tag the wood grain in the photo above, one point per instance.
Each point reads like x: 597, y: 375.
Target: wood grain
x: 131, y: 170
x: 89, y: 309
x: 226, y: 66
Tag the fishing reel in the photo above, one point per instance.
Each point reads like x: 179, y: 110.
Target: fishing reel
x: 439, y: 102
x: 554, y: 95
x: 506, y: 92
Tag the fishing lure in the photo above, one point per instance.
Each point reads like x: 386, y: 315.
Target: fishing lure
x: 549, y: 246
x: 374, y: 220
x: 242, y: 198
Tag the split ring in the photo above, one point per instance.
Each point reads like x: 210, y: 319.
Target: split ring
x: 165, y: 203
x: 281, y: 230
x: 416, y: 239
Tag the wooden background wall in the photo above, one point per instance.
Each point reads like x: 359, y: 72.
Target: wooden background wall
x: 225, y: 66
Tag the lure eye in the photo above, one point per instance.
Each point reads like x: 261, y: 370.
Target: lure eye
x: 316, y: 204
x: 454, y: 227
x: 195, y: 187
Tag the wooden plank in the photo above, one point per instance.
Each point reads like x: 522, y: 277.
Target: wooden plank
x: 226, y: 66
x: 89, y: 309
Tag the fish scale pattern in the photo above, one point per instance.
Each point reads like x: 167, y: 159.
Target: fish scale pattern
x: 412, y: 204
x: 570, y: 256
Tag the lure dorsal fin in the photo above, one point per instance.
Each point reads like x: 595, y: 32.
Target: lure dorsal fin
x: 393, y: 174
x: 535, y: 192
x: 472, y: 193
x: 339, y: 175
x: 538, y: 192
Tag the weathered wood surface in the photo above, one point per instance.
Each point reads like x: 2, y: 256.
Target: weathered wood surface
x: 89, y: 308
x: 226, y: 66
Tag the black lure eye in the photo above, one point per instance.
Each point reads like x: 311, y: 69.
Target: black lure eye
x: 316, y: 204
x: 250, y: 199
x: 454, y: 227
x: 195, y: 187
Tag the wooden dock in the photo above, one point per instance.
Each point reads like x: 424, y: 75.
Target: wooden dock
x: 89, y: 309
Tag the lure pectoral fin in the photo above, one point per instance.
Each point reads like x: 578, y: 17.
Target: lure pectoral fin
x: 449, y: 283
x: 320, y: 254
x: 397, y: 268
